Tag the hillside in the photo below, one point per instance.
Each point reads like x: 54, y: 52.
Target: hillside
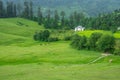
x: 89, y: 7
x: 17, y: 30
x: 21, y: 58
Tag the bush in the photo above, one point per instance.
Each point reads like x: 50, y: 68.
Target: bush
x: 97, y: 41
x: 67, y: 38
x: 106, y: 43
x: 93, y: 40
x: 117, y: 52
x: 42, y: 35
x: 79, y: 42
x: 35, y: 36
x: 75, y: 41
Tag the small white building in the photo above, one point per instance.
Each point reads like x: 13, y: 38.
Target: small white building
x: 118, y: 28
x: 79, y: 28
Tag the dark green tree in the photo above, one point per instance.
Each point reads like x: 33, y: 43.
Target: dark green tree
x: 106, y: 43
x: 10, y: 9
x: 48, y: 20
x: 79, y: 42
x: 1, y: 9
x: 26, y: 11
x: 40, y: 16
x: 92, y: 41
x: 41, y: 36
x: 15, y: 11
x: 71, y: 21
x: 56, y: 20
x: 31, y: 10
x: 36, y: 36
x: 62, y: 18
x: 75, y: 41
x: 82, y: 42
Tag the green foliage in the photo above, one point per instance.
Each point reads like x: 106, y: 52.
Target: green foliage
x: 117, y: 52
x: 79, y: 42
x: 96, y: 41
x: 42, y: 35
x: 88, y: 33
x: 77, y: 5
x: 106, y: 43
x: 67, y: 38
x: 53, y: 20
x: 92, y: 42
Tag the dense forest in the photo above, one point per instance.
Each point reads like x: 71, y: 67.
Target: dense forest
x: 55, y: 20
x: 89, y: 7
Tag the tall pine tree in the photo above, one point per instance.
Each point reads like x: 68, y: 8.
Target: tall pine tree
x: 1, y: 9
x: 40, y: 16
x: 26, y: 12
x: 31, y: 10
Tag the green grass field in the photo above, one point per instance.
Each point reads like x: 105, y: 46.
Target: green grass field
x: 21, y: 58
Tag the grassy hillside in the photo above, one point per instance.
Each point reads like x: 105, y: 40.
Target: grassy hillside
x: 18, y: 26
x: 21, y: 58
x: 17, y: 30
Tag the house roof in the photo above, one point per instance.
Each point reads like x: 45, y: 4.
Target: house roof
x: 79, y: 27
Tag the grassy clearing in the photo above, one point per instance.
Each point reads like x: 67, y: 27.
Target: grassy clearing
x: 55, y: 61
x: 21, y: 58
x: 87, y: 33
x: 60, y: 72
x: 59, y: 52
x: 117, y: 34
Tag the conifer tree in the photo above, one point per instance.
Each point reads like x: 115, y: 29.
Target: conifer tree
x: 1, y: 9
x: 31, y: 10
x: 40, y: 16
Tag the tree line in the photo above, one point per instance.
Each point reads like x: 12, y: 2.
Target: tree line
x: 97, y: 41
x: 60, y: 20
x: 45, y: 36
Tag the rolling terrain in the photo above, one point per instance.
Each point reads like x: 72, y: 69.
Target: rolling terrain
x: 22, y: 58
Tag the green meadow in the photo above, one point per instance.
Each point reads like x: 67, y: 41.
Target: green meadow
x: 22, y: 58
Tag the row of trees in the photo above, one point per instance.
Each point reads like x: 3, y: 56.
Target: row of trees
x: 11, y: 9
x: 60, y: 20
x: 44, y: 36
x: 105, y: 21
x: 97, y: 41
x: 109, y: 21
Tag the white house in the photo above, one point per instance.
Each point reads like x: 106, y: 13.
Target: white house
x: 118, y: 28
x: 79, y: 28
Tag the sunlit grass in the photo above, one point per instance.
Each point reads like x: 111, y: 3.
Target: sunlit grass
x: 87, y: 33
x: 22, y: 58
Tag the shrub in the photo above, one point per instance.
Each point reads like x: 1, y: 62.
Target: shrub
x: 79, y: 42
x: 117, y: 52
x: 42, y: 35
x: 93, y: 40
x: 75, y: 41
x: 35, y: 36
x: 106, y: 43
x: 67, y: 38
